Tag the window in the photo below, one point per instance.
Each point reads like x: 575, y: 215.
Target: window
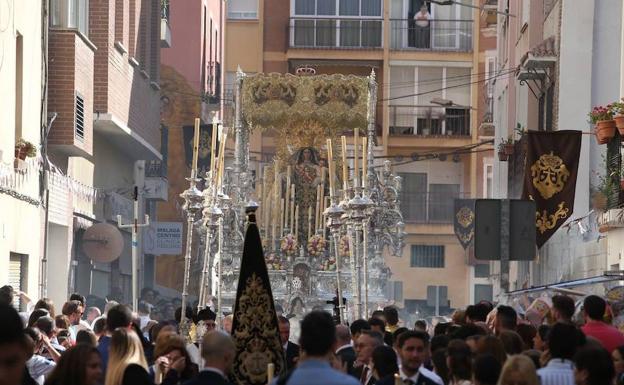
x: 79, y: 128
x: 414, y: 197
x: 242, y: 9
x: 441, y: 202
x: 488, y: 175
x: 483, y: 293
x: 19, y: 75
x: 427, y: 256
x: 395, y: 290
x: 18, y: 275
x: 437, y: 295
x: 72, y: 14
x: 482, y: 270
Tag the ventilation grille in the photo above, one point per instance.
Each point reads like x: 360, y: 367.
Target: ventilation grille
x: 80, y: 111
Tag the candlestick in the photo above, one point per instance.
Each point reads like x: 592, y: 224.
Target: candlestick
x: 364, y: 162
x: 330, y: 163
x: 296, y: 222
x: 345, y: 172
x: 287, y: 200
x: 309, y: 221
x: 356, y: 155
x: 282, y: 212
x: 195, y: 148
x: 270, y: 372
x: 213, y: 151
x: 292, y: 208
x: 397, y: 379
x: 317, y: 213
x: 221, y: 161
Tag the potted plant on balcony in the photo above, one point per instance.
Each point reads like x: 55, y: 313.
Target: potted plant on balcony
x: 617, y: 108
x: 602, y: 117
x: 24, y: 148
x: 505, y: 149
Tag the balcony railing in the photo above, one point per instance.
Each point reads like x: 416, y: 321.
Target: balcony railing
x: 429, y: 208
x: 431, y: 35
x: 164, y: 9
x: 429, y: 121
x: 335, y: 33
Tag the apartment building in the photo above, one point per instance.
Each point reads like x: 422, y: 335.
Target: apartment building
x: 104, y: 89
x: 430, y: 89
x: 192, y: 87
x: 555, y: 49
x: 22, y: 103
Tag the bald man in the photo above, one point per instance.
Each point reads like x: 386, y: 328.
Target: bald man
x: 344, y: 349
x: 218, y: 353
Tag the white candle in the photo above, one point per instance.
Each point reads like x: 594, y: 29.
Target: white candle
x: 356, y: 155
x: 195, y: 148
x: 364, y: 162
x: 330, y: 163
x: 345, y: 170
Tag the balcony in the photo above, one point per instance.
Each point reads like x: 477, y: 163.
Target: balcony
x: 333, y: 33
x: 436, y: 35
x: 428, y: 121
x: 165, y: 31
x: 156, y: 185
x: 435, y: 208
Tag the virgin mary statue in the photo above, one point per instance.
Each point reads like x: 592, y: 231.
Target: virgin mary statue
x: 307, y: 175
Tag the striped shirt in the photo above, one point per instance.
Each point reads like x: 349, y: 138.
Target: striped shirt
x: 557, y: 372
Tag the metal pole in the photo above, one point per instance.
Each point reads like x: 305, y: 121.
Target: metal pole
x: 352, y: 232
x: 358, y: 270
x: 365, y: 263
x: 220, y: 272
x: 504, y: 251
x: 336, y: 236
x: 190, y: 219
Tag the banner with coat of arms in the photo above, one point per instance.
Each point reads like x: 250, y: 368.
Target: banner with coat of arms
x: 205, y: 141
x: 550, y: 178
x: 464, y: 221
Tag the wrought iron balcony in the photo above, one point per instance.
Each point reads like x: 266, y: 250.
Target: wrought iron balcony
x: 429, y: 207
x: 429, y: 121
x: 333, y: 33
x: 431, y: 35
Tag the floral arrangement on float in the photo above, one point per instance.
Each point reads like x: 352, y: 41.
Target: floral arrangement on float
x: 288, y: 245
x: 343, y: 246
x: 328, y: 264
x: 274, y: 262
x: 316, y: 245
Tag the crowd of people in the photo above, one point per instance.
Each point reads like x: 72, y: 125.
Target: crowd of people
x: 482, y: 345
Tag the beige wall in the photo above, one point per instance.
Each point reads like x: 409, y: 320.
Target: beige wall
x: 20, y: 222
x: 243, y: 41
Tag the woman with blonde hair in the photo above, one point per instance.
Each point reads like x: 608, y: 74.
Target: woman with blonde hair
x: 518, y: 370
x: 126, y: 360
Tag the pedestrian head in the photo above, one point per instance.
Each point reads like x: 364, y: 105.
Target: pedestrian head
x: 593, y: 366
x: 518, y: 370
x: 46, y: 325
x: 618, y: 360
x: 485, y: 370
x: 506, y: 319
x: 208, y: 317
x: 343, y: 335
x: 493, y: 346
x: 562, y: 308
x: 378, y: 325
x: 541, y: 338
x: 594, y: 308
x: 438, y: 360
x: 86, y: 337
x: 413, y: 349
x: 73, y: 310
x: 78, y: 365
x: 391, y: 315
x: 356, y: 328
x: 47, y: 304
x: 80, y: 298
x: 512, y: 342
x: 366, y: 343
x: 563, y: 340
x: 14, y: 349
x: 420, y: 325
x: 218, y: 350
x: 35, y: 315
x: 93, y: 313
x: 284, y: 328
x: 318, y: 333
x: 7, y: 293
x: 99, y: 326
x: 384, y: 362
x: 119, y: 316
x: 227, y: 323
x: 396, y: 334
x: 125, y: 349
x: 458, y: 360
x: 527, y: 332
x: 378, y: 314
x: 173, y: 347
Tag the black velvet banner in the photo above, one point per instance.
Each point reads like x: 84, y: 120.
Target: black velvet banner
x: 463, y: 221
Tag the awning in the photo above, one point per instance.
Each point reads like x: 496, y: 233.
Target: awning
x: 608, y: 276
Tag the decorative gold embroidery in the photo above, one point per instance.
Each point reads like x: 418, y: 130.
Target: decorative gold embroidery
x: 466, y: 237
x: 465, y: 216
x: 545, y: 221
x: 256, y: 334
x: 549, y: 175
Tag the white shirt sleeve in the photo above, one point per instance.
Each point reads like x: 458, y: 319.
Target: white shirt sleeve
x: 39, y: 366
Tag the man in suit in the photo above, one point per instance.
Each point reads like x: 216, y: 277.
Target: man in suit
x: 412, y: 348
x: 318, y: 337
x: 218, y: 353
x: 366, y: 343
x: 344, y: 349
x: 291, y: 349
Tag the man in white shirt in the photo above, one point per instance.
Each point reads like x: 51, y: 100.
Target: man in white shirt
x: 563, y: 340
x: 412, y: 348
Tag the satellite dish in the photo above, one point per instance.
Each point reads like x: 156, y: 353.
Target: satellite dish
x: 102, y: 243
